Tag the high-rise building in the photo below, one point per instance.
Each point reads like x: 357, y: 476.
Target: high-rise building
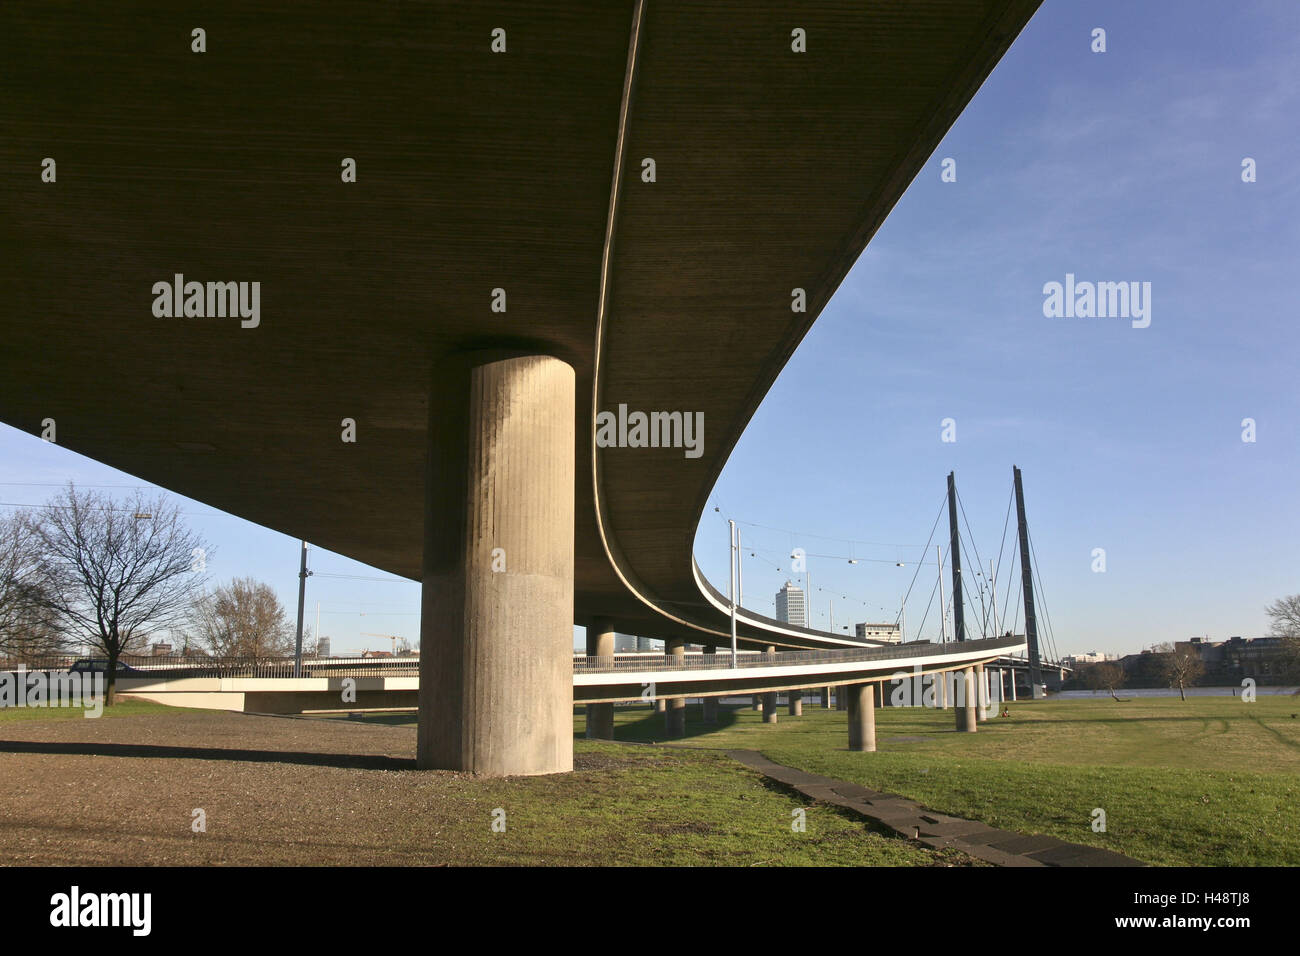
x: 888, y: 633
x: 791, y: 607
x: 623, y: 643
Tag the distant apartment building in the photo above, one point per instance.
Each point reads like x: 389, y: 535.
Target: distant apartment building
x: 1087, y: 657
x: 791, y: 605
x: 886, y: 633
x: 626, y: 643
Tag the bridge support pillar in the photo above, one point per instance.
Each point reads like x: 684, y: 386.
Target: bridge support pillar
x: 496, y: 627
x: 600, y: 643
x: 981, y: 693
x: 796, y: 702
x: 661, y: 705
x: 769, y: 708
x: 675, y: 713
x: 862, y: 717
x: 757, y: 703
x: 710, y: 704
x: 842, y: 697
x: 826, y: 698
x: 964, y: 701
x: 675, y: 717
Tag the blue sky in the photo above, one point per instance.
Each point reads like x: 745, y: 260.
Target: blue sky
x: 1117, y: 166
x: 1122, y: 166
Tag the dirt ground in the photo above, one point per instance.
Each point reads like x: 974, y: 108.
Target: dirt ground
x: 292, y: 791
x: 124, y: 791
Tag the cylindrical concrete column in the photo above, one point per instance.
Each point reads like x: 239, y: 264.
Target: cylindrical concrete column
x: 769, y: 708
x: 675, y: 717
x: 600, y: 645
x: 757, y: 704
x: 496, y: 629
x: 842, y: 697
x: 661, y: 705
x: 826, y: 698
x: 981, y: 694
x: 675, y: 713
x: 862, y: 717
x: 710, y: 704
x: 795, y: 702
x: 964, y: 703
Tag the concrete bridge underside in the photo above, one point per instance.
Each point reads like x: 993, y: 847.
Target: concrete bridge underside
x: 519, y: 171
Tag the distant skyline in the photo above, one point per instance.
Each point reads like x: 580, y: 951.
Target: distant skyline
x: 1123, y: 166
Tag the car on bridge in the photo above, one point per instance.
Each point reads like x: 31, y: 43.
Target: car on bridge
x: 94, y: 665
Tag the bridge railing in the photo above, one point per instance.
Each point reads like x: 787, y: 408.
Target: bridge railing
x: 172, y: 668
x: 722, y: 659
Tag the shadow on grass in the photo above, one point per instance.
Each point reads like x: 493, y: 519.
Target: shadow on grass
x: 651, y: 726
x: 145, y: 751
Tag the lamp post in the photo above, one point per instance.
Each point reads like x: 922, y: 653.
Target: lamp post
x: 735, y: 557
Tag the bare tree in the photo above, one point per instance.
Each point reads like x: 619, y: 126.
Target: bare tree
x: 25, y: 628
x: 112, y: 572
x: 1105, y: 675
x: 1181, y: 666
x: 1285, y: 615
x: 243, y: 619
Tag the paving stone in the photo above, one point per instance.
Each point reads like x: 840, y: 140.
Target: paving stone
x: 909, y: 819
x: 1074, y: 855
x: 855, y: 791
x: 1028, y: 844
x: 990, y: 855
x: 958, y: 828
x: 991, y: 836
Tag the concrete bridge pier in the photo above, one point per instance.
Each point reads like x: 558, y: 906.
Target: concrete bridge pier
x: 600, y: 643
x: 862, y: 717
x: 826, y: 698
x: 496, y: 627
x: 964, y: 701
x: 675, y: 712
x: 983, y: 691
x: 661, y: 705
x: 710, y: 704
x: 769, y: 708
x: 795, y: 702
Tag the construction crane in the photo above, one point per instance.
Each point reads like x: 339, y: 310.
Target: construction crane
x: 392, y: 637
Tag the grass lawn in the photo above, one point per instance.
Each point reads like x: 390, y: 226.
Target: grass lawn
x: 123, y: 708
x: 1207, y: 781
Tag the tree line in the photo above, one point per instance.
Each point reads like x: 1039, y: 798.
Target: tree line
x: 1182, y: 667
x: 86, y: 570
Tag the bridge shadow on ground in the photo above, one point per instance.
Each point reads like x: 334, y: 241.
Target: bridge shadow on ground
x: 343, y: 761
x: 650, y: 727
